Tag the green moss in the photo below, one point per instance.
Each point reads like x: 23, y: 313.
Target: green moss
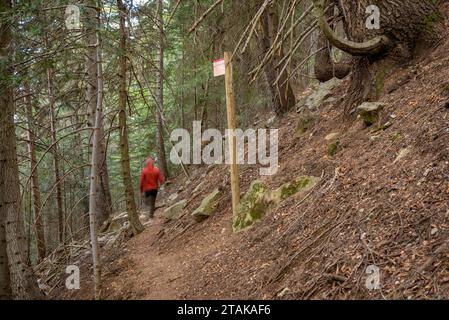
x: 292, y: 188
x: 175, y: 211
x: 208, y: 205
x: 333, y: 148
x: 259, y: 200
x: 396, y: 136
x: 382, y: 127
x: 305, y: 123
x: 428, y: 23
x: 252, y: 206
x: 368, y: 118
x: 379, y: 81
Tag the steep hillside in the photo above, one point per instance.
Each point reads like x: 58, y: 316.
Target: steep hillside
x: 382, y: 200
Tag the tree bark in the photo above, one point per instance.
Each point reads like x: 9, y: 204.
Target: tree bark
x: 54, y: 142
x: 36, y: 194
x: 95, y: 176
x: 403, y: 25
x: 325, y: 67
x: 282, y: 95
x: 5, y: 41
x: 182, y: 107
x: 21, y: 283
x: 160, y: 90
x: 123, y: 129
x: 373, y: 46
x: 104, y: 195
x: 56, y: 167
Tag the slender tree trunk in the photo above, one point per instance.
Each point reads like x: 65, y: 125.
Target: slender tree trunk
x: 83, y: 218
x: 282, y: 94
x: 123, y: 129
x: 56, y: 167
x: 160, y: 90
x: 104, y: 196
x: 95, y: 176
x: 21, y: 283
x: 36, y: 194
x: 204, y: 112
x: 183, y: 121
x: 54, y: 142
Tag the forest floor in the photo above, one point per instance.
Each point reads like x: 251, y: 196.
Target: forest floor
x: 370, y: 208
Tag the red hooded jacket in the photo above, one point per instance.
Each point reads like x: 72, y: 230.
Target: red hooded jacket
x: 150, y: 178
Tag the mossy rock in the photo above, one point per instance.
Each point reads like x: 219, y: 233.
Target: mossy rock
x: 321, y: 94
x: 207, y: 206
x: 252, y: 207
x: 292, y: 188
x: 369, y: 111
x: 116, y: 222
x: 333, y: 148
x: 175, y: 211
x: 305, y: 122
x: 259, y: 200
x: 332, y: 136
x: 402, y: 154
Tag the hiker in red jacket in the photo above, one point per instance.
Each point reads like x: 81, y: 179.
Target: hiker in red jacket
x: 150, y: 181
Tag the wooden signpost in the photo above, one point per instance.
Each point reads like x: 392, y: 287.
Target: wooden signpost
x: 224, y: 66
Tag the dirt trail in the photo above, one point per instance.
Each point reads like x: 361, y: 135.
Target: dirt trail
x: 155, y: 275
x: 147, y: 268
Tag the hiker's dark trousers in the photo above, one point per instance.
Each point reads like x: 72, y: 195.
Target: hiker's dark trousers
x: 150, y: 202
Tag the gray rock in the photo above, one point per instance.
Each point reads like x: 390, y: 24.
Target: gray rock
x: 117, y: 222
x: 271, y: 121
x: 172, y: 197
x: 369, y: 111
x: 402, y: 154
x: 305, y: 122
x: 332, y: 136
x: 207, y: 206
x: 321, y: 93
x: 175, y: 211
x: 284, y: 292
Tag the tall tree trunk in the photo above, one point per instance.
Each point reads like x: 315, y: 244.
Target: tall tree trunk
x: 123, y: 129
x: 5, y: 284
x: 36, y: 194
x: 160, y: 90
x: 54, y: 142
x: 95, y: 177
x: 183, y: 121
x: 104, y: 195
x: 21, y: 283
x: 83, y: 218
x: 282, y: 94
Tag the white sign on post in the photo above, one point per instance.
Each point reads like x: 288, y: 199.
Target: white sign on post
x: 219, y: 67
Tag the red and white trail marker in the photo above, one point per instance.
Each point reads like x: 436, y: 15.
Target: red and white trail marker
x: 219, y: 67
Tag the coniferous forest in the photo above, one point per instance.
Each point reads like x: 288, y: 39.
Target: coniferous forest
x: 221, y: 149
